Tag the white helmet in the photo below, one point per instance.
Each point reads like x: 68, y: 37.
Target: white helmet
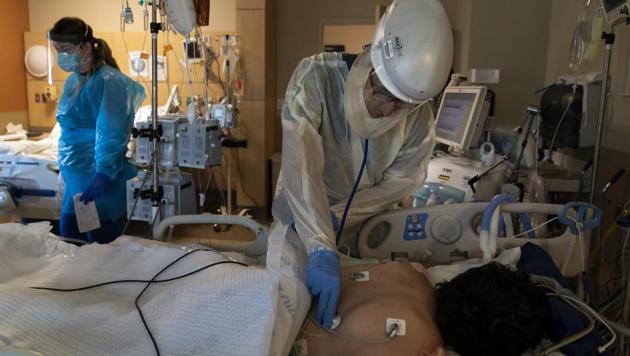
x: 412, y: 49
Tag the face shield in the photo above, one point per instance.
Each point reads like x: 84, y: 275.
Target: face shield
x: 370, y: 108
x: 70, y: 57
x: 50, y: 62
x: 69, y: 51
x: 412, y: 49
x: 407, y: 64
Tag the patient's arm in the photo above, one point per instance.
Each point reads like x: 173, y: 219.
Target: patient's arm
x: 394, y: 290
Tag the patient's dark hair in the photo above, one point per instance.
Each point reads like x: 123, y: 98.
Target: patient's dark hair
x: 76, y: 31
x: 492, y: 310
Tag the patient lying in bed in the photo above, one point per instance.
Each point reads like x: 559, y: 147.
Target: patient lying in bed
x: 370, y: 295
x: 490, y: 310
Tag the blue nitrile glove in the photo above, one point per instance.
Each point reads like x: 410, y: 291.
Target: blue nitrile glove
x: 96, y: 188
x: 323, y: 279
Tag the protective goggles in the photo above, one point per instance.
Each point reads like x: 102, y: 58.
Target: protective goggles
x: 379, y: 92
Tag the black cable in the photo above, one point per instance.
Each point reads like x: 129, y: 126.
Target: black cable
x: 146, y: 326
x: 216, y: 186
x: 138, y: 280
x: 135, y: 204
x: 149, y: 282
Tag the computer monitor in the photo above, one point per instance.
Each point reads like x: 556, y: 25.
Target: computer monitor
x: 458, y: 122
x: 616, y: 8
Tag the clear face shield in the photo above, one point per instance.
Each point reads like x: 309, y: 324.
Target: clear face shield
x: 370, y: 108
x: 49, y: 60
x: 379, y: 101
x: 69, y: 52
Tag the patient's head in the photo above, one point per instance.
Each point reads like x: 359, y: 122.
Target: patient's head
x: 492, y: 310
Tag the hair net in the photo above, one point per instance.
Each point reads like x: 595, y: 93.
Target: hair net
x: 321, y: 155
x: 96, y: 116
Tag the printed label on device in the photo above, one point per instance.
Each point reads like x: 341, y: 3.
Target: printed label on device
x: 87, y: 215
x: 415, y: 227
x: 388, y: 50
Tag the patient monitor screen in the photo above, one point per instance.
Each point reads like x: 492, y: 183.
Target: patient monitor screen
x: 454, y: 115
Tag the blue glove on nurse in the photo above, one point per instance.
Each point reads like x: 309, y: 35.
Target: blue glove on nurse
x: 323, y: 279
x: 96, y: 188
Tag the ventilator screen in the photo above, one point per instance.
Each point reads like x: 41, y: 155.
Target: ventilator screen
x: 454, y: 115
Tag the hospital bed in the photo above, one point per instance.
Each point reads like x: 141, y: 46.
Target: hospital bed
x: 29, y: 176
x: 30, y: 184
x: 225, y: 310
x: 444, y: 234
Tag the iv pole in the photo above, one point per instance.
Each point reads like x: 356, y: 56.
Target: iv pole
x: 155, y: 135
x: 609, y: 40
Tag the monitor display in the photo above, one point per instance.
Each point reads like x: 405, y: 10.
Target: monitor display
x: 454, y: 115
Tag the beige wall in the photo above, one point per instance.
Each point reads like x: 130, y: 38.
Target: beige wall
x: 507, y: 34
x: 255, y: 23
x: 300, y: 31
x: 459, y: 14
x: 617, y: 123
x: 300, y: 28
x: 105, y: 15
x: 511, y: 36
x: 561, y: 25
x: 13, y: 106
x: 353, y: 37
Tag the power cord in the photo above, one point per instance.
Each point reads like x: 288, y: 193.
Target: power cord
x: 587, y: 310
x: 566, y: 110
x: 535, y: 228
x: 575, y: 337
x: 601, y: 319
x: 580, y: 238
x: 153, y: 280
x: 135, y: 204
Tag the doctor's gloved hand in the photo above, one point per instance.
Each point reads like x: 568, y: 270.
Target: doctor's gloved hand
x: 323, y: 279
x: 96, y: 188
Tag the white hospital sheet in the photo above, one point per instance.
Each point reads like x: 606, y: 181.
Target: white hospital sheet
x: 46, y: 148
x: 225, y: 310
x: 444, y: 273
